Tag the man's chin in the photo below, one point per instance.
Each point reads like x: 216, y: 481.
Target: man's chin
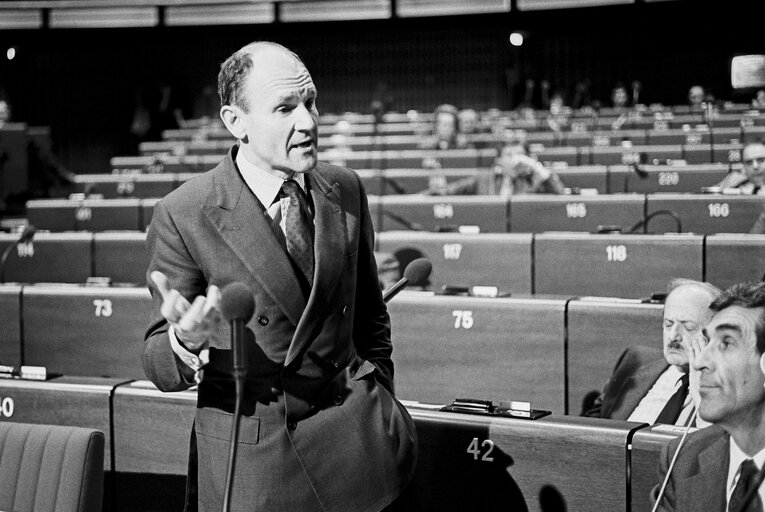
x: 675, y: 358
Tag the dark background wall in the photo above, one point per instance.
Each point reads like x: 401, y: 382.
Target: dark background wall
x: 83, y: 83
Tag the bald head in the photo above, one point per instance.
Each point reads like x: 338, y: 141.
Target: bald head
x: 234, y: 72
x: 686, y: 312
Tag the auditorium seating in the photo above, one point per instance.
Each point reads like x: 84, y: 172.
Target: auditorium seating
x: 576, y: 463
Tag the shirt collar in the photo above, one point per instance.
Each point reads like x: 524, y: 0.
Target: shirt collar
x: 262, y: 183
x: 737, y: 456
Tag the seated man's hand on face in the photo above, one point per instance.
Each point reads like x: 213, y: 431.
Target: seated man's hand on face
x: 693, y: 349
x: 193, y: 323
x: 524, y: 165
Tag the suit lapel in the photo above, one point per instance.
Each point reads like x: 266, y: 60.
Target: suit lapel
x: 329, y: 252
x: 243, y: 225
x: 636, y: 387
x: 705, y: 490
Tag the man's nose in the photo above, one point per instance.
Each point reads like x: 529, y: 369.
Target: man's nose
x: 305, y: 121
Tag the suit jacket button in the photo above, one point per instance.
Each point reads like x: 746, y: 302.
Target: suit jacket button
x: 263, y: 320
x: 345, y: 308
x: 339, y: 400
x: 291, y: 425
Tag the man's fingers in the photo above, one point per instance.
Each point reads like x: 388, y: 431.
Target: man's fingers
x: 174, y: 306
x: 213, y: 299
x: 193, y: 316
x: 162, y: 283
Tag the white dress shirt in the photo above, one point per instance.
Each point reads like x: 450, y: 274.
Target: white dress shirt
x: 654, y: 401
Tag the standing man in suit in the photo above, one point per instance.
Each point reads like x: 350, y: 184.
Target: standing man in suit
x: 717, y: 466
x: 652, y: 386
x: 321, y: 429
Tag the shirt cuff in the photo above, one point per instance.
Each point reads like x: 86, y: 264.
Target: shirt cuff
x: 193, y: 361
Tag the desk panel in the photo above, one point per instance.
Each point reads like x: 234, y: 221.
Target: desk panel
x: 500, y: 349
x: 630, y: 266
x: 147, y: 212
x: 489, y: 213
x: 647, y: 445
x: 411, y: 181
x: 86, y: 331
x: 584, y: 176
x: 123, y: 257
x: 554, y: 463
x: 49, y: 257
x: 599, y: 330
x: 705, y: 213
x: 534, y: 213
x: 627, y: 154
x: 492, y: 259
x: 152, y: 428
x: 125, y: 185
x: 52, y: 214
x: 732, y: 258
x: 87, y: 215
x: 413, y: 159
x: 666, y: 178
x: 68, y: 401
x: 10, y: 325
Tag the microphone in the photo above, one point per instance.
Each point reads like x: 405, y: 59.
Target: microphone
x: 26, y: 236
x: 415, y: 273
x: 237, y: 307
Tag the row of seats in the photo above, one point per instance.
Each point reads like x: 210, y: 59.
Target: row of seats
x: 690, y: 137
x: 604, y: 179
x: 696, y: 213
x: 466, y: 461
x: 552, y: 351
x: 552, y: 263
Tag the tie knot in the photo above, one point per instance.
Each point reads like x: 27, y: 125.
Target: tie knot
x: 290, y: 188
x: 748, y: 470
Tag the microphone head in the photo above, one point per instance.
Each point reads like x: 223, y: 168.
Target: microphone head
x: 418, y: 271
x: 237, y: 303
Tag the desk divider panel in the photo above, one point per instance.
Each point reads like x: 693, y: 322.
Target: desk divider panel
x: 10, y: 325
x: 647, y: 445
x: 121, y: 256
x: 49, y: 257
x: 534, y: 213
x: 666, y: 178
x: 629, y: 266
x: 87, y: 331
x: 734, y: 258
x: 599, y: 330
x: 492, y: 259
x: 705, y: 213
x: 447, y: 347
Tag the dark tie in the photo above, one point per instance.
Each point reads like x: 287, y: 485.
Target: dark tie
x: 299, y: 229
x: 674, y: 405
x: 746, y: 480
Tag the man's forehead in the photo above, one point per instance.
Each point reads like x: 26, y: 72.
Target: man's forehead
x: 736, y: 317
x: 754, y: 151
x: 278, y: 68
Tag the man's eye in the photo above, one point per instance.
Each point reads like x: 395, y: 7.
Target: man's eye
x: 285, y: 108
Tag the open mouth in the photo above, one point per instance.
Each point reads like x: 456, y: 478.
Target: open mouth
x: 304, y: 145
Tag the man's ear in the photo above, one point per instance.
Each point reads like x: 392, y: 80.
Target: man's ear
x: 762, y: 363
x: 231, y: 115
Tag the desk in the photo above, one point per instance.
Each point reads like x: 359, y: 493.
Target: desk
x: 626, y: 154
x: 489, y: 213
x: 734, y: 258
x: 126, y: 185
x: 10, y: 320
x: 630, y: 266
x: 584, y: 176
x: 122, y: 257
x: 411, y: 159
x: 494, y: 259
x: 666, y: 178
x: 68, y: 401
x: 599, y: 330
x: 87, y: 215
x: 411, y: 181
x: 534, y: 213
x: 705, y: 213
x: 86, y: 331
x: 553, y: 463
x: 500, y: 349
x: 49, y: 257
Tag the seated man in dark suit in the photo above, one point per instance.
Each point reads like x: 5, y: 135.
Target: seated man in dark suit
x: 716, y: 467
x: 653, y: 387
x: 751, y: 178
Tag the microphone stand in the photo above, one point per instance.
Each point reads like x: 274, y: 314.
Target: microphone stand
x: 645, y: 220
x: 238, y: 372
